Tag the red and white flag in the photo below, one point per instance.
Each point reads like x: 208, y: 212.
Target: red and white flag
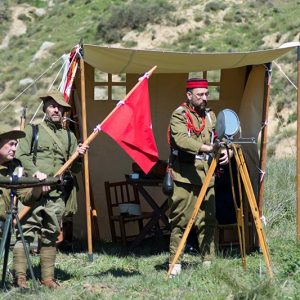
x: 71, y: 66
x: 130, y: 126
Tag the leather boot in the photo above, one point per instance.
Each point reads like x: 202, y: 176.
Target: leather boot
x: 51, y: 283
x: 19, y: 266
x: 48, y: 256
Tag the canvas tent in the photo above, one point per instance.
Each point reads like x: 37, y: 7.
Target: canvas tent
x: 241, y: 86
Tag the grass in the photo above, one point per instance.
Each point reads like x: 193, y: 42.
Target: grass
x: 116, y: 274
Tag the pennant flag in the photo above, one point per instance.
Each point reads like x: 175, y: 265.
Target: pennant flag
x: 131, y: 127
x: 71, y: 66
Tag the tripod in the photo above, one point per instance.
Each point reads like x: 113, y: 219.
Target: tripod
x: 6, y: 239
x: 243, y: 172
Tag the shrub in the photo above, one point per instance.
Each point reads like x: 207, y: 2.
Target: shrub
x: 133, y: 16
x: 24, y: 18
x: 292, y: 118
x: 214, y: 6
x: 280, y: 105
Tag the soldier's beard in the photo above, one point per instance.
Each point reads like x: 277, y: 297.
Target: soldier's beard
x: 54, y: 119
x: 201, y: 108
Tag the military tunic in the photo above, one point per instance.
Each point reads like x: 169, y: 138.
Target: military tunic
x: 24, y: 195
x: 189, y: 172
x: 46, y: 215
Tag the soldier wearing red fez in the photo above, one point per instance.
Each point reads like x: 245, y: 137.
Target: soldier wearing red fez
x: 191, y: 139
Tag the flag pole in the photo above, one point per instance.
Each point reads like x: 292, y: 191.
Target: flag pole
x: 298, y: 153
x: 86, y: 164
x: 86, y: 142
x: 93, y: 135
x: 264, y: 136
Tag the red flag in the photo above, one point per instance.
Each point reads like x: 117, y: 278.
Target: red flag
x: 131, y: 127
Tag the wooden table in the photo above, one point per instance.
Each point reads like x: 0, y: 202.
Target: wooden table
x: 159, y: 212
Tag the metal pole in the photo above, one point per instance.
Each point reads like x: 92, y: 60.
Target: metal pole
x: 298, y: 151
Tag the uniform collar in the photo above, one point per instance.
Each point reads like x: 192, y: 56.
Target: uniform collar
x: 193, y: 109
x: 52, y: 125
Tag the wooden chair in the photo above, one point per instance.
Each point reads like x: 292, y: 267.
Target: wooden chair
x: 120, y: 193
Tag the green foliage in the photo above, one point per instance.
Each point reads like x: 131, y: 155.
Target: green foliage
x: 292, y: 118
x: 214, y: 6
x: 5, y: 16
x: 36, y: 3
x: 134, y: 15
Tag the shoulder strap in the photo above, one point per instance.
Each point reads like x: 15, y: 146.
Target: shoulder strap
x: 34, y: 142
x: 69, y: 143
x: 209, y: 117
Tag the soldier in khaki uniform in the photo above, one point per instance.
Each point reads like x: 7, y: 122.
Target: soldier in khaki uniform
x: 10, y: 166
x: 191, y: 140
x: 45, y: 216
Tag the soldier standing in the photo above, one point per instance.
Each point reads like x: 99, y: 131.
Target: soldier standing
x: 191, y: 140
x: 44, y: 154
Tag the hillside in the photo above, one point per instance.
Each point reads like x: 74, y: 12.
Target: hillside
x: 34, y: 34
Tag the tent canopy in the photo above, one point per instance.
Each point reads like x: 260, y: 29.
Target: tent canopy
x: 121, y: 60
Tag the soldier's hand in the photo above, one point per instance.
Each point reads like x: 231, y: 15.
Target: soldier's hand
x: 42, y: 176
x: 224, y: 157
x: 82, y: 149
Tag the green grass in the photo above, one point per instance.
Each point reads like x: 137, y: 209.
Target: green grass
x: 116, y: 274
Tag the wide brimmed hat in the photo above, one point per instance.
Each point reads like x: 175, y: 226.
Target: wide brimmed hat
x: 58, y: 97
x: 11, y: 134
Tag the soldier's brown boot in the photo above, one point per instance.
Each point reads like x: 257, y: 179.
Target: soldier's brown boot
x: 48, y: 256
x: 20, y: 282
x: 19, y: 266
x: 50, y: 283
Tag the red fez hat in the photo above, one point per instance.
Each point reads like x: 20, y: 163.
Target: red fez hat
x: 194, y: 83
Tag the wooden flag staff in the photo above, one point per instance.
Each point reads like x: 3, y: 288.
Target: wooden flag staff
x: 95, y: 133
x: 88, y: 140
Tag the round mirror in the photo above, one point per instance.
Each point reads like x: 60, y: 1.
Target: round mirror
x: 220, y: 125
x: 228, y: 124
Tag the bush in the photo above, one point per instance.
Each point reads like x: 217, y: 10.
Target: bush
x: 214, y: 6
x: 292, y: 118
x: 133, y: 16
x: 280, y: 105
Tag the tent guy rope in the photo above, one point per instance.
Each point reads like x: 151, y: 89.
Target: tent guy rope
x: 35, y: 80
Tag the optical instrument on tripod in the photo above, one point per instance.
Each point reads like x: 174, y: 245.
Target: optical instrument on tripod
x: 13, y: 183
x: 227, y: 128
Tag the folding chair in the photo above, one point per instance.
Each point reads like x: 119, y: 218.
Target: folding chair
x: 118, y: 193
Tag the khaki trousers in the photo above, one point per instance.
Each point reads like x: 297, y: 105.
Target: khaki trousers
x: 181, y: 207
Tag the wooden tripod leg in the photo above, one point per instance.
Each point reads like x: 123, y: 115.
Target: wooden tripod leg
x: 198, y: 203
x: 239, y: 217
x: 253, y: 206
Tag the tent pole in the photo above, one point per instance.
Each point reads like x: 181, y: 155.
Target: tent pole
x: 264, y: 135
x: 298, y: 150
x: 86, y: 163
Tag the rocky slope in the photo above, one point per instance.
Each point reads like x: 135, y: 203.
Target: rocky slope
x: 34, y: 34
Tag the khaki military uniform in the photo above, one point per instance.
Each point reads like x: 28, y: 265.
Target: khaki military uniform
x: 24, y: 195
x: 46, y: 215
x: 189, y: 171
